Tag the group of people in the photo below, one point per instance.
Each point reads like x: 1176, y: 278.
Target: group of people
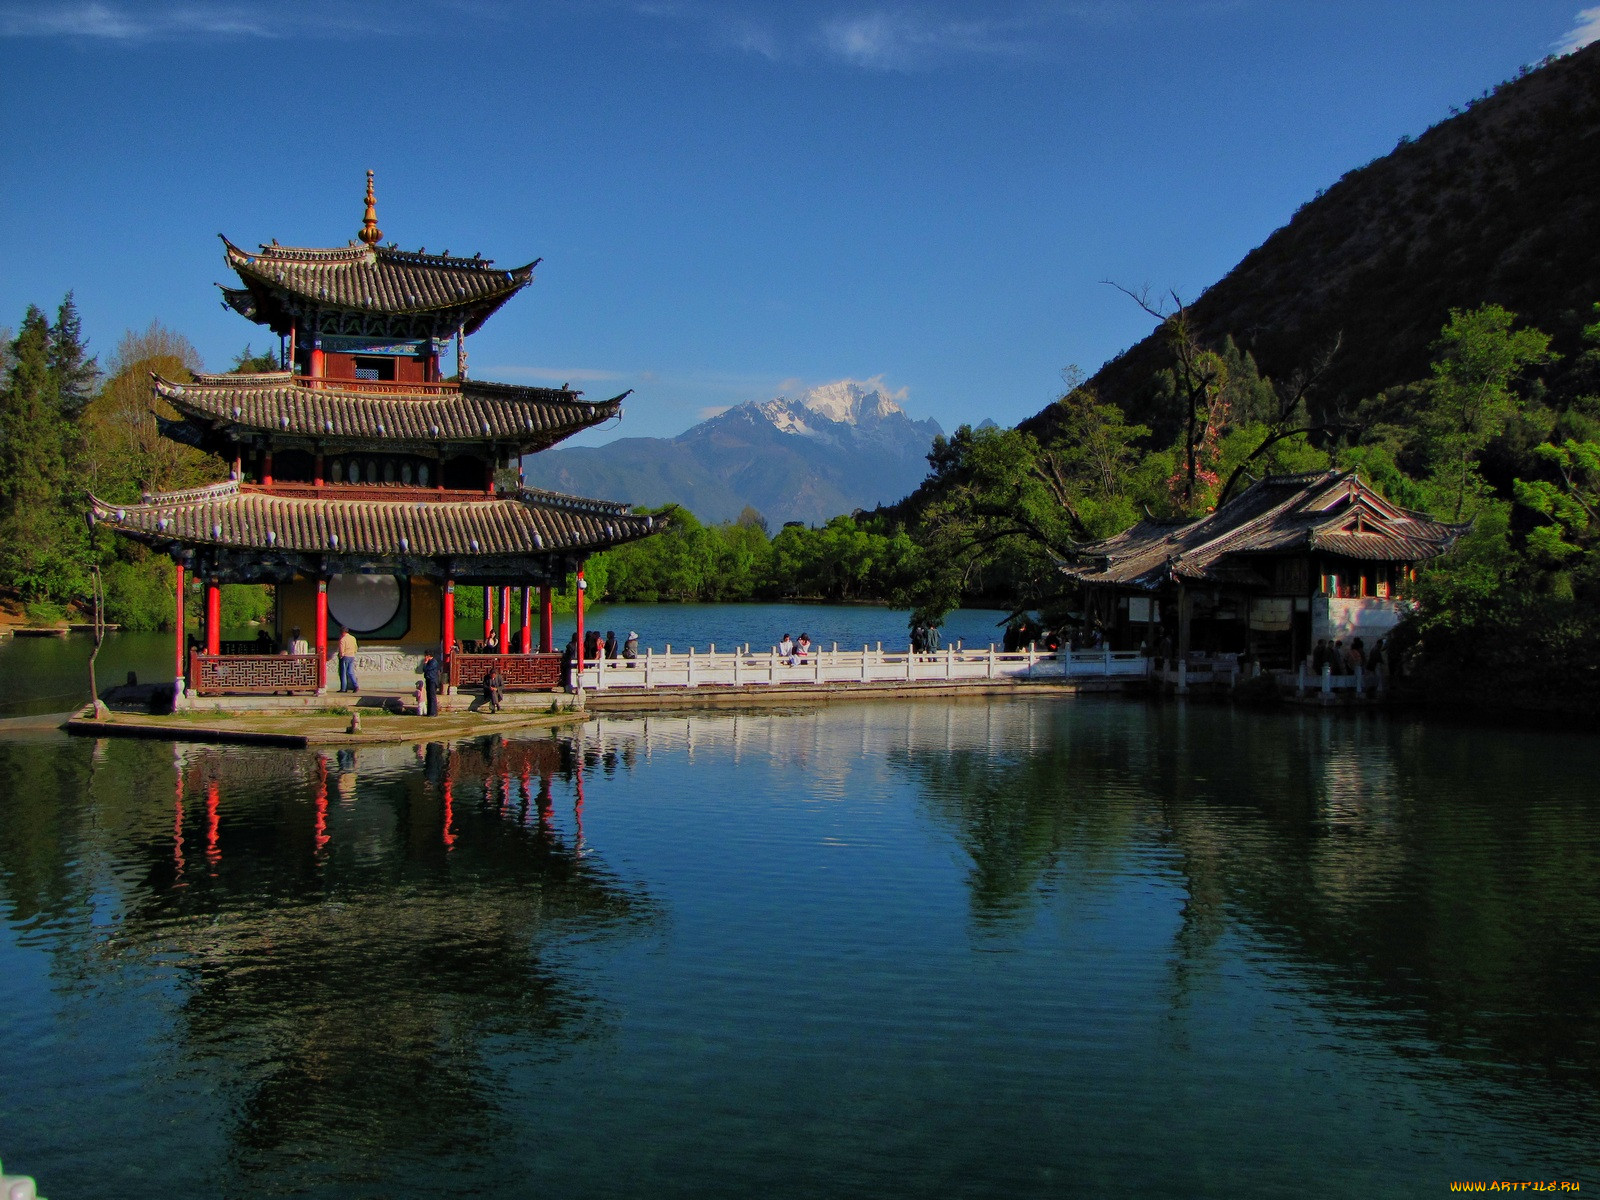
x: 794, y: 652
x: 1341, y: 659
x: 924, y: 638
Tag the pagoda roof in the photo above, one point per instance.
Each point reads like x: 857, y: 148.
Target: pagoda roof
x: 1332, y: 511
x: 473, y: 412
x: 228, y: 517
x: 436, y: 291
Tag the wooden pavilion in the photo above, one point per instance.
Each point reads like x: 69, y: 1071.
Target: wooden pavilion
x: 1291, y: 559
x: 363, y: 482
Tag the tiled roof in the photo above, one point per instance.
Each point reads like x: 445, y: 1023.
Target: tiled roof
x: 531, y: 418
x: 1331, y: 511
x: 374, y: 279
x: 226, y: 516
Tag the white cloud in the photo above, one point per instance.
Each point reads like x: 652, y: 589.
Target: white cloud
x: 122, y: 23
x: 1580, y: 35
x: 899, y: 40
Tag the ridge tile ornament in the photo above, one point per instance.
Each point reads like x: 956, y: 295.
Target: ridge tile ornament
x: 359, y: 461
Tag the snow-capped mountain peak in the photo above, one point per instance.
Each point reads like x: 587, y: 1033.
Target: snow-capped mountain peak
x: 847, y: 401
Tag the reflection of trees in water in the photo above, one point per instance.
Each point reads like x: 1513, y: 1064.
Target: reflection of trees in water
x: 1444, y: 878
x: 356, y: 965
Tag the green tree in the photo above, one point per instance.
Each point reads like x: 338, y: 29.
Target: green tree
x: 1471, y: 396
x: 43, y: 538
x: 248, y: 362
x: 76, y: 374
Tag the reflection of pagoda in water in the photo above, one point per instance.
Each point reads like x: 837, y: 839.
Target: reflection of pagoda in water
x: 363, y: 481
x: 353, y: 972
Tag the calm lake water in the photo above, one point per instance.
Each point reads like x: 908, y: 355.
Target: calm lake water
x: 1069, y: 947
x: 45, y: 675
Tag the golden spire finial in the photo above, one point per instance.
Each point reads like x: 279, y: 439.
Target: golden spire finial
x: 370, y: 233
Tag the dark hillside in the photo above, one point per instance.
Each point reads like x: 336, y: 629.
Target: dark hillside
x: 1500, y: 203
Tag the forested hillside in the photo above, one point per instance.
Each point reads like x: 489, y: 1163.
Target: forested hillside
x: 1497, y: 204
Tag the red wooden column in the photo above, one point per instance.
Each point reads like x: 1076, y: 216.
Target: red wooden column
x: 316, y: 358
x: 488, y: 612
x: 449, y: 631
x: 322, y: 635
x: 266, y: 467
x: 213, y: 617
x: 582, y: 587
x: 547, y: 621
x: 505, y: 620
x: 527, y: 619
x: 177, y: 637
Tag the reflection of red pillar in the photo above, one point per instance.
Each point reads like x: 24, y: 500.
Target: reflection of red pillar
x: 547, y: 621
x: 527, y: 619
x: 449, y: 814
x: 213, y: 617
x: 213, y: 824
x: 321, y: 838
x: 582, y: 586
x: 488, y: 612
x: 322, y: 635
x: 177, y: 830
x: 449, y: 630
x: 505, y: 620
x: 177, y: 636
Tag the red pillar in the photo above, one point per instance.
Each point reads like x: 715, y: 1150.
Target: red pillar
x: 266, y: 467
x: 177, y: 637
x: 505, y: 620
x: 316, y: 478
x: 449, y: 631
x: 322, y: 635
x: 213, y: 617
x: 581, y: 588
x: 527, y: 619
x: 488, y: 612
x: 547, y: 621
x: 316, y: 360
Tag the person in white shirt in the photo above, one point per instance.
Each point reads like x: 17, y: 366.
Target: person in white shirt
x: 298, y: 644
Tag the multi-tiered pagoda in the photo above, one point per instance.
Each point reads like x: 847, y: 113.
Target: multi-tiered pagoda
x: 364, y: 482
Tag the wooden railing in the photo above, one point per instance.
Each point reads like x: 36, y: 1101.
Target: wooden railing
x: 252, y: 674
x: 398, y: 492
x: 522, y: 672
x: 741, y: 668
x: 384, y: 386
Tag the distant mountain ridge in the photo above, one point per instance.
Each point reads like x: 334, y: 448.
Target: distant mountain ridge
x: 829, y: 450
x: 1497, y: 204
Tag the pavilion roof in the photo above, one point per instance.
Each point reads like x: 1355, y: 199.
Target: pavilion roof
x: 1329, y: 511
x: 438, y: 291
x: 228, y: 517
x: 475, y: 412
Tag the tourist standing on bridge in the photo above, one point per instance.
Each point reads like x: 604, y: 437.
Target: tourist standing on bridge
x: 347, y: 661
x: 611, y: 643
x: 630, y: 647
x: 430, y: 683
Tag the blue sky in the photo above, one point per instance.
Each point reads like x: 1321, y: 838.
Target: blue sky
x: 732, y: 199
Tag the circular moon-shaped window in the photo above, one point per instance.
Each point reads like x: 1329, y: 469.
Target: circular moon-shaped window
x: 362, y: 603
